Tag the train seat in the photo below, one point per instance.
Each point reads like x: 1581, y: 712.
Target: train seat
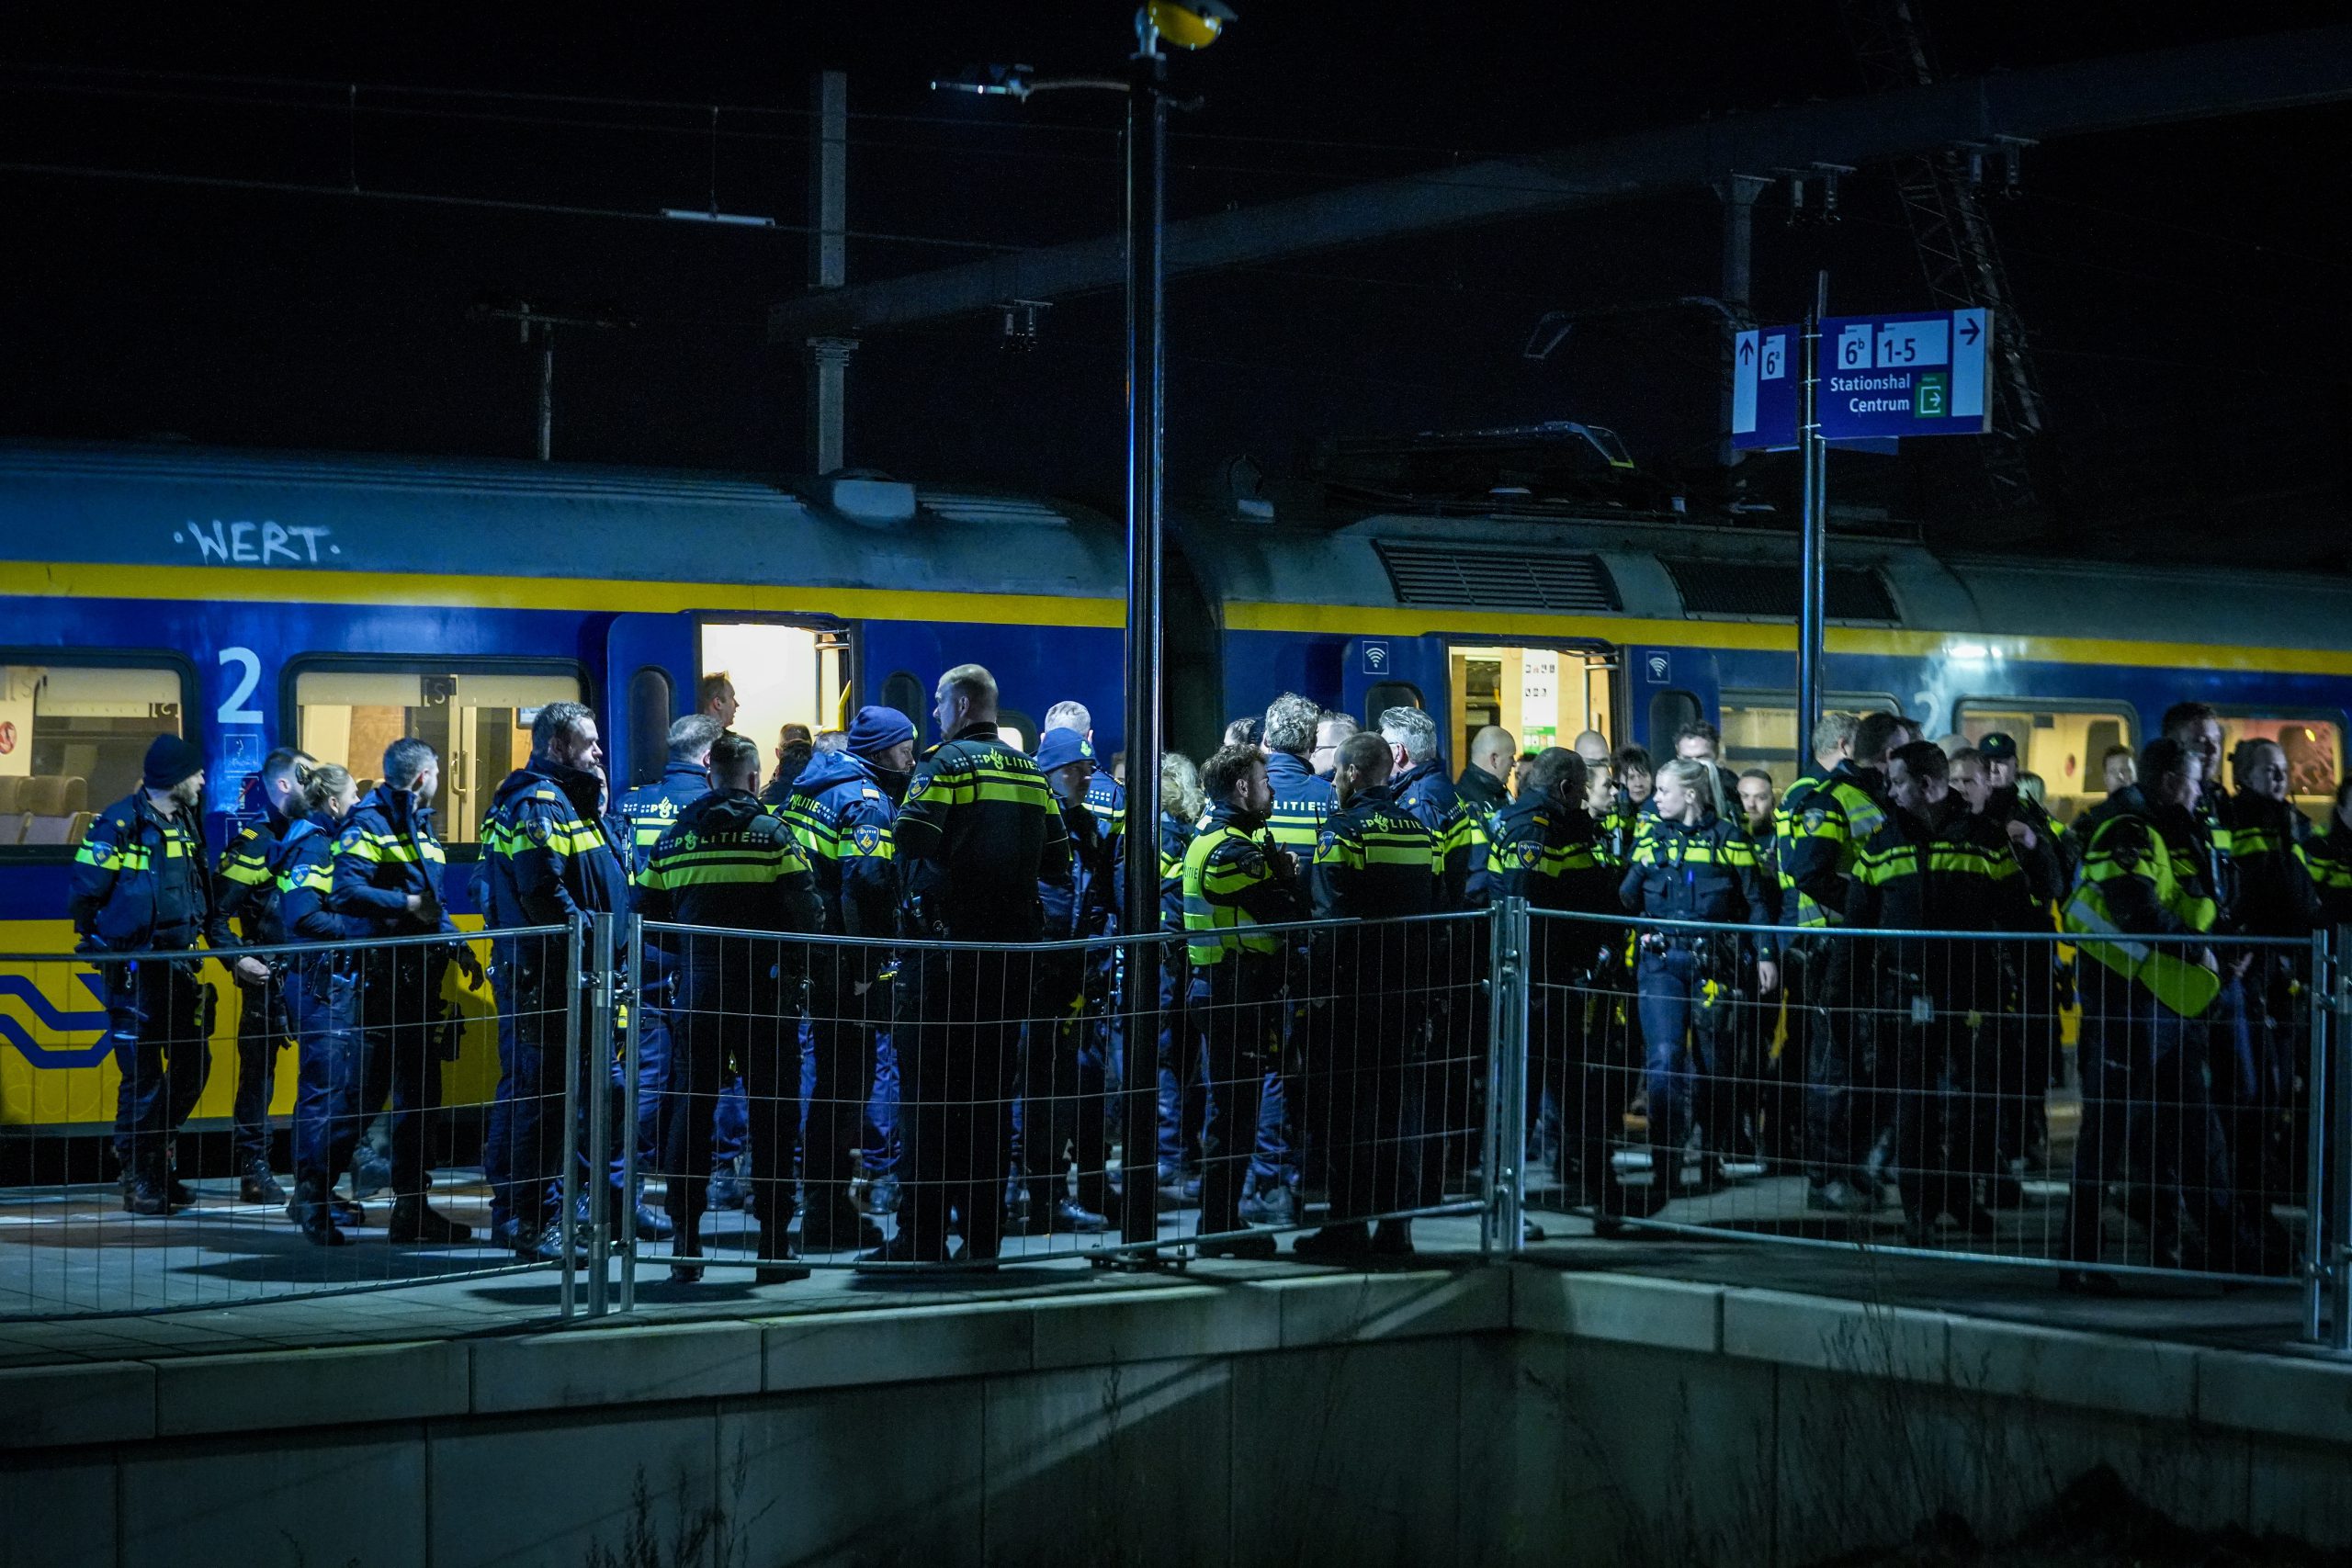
x: 53, y: 795
x: 13, y: 825
x: 12, y: 789
x: 56, y: 828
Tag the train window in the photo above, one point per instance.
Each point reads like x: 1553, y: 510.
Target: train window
x: 72, y: 738
x: 1016, y: 728
x: 2062, y: 741
x: 478, y: 719
x: 1761, y: 729
x: 2314, y: 749
x: 903, y: 692
x: 650, y: 695
x: 782, y: 674
x: 1670, y: 711
x: 1387, y: 694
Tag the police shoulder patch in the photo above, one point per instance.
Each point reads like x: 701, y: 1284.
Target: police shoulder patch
x: 536, y: 830
x: 1531, y: 854
x: 349, y: 838
x: 1814, y: 818
x: 867, y: 837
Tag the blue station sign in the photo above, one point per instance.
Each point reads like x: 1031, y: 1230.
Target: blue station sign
x: 1765, y: 378
x: 1921, y: 373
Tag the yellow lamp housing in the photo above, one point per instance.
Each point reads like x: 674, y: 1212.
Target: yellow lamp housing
x: 1188, y: 24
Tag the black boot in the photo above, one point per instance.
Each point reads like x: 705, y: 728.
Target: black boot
x: 144, y: 1193
x: 310, y: 1210
x: 787, y: 1266
x: 415, y: 1220
x: 256, y: 1183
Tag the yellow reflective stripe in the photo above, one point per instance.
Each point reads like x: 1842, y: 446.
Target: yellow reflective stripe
x: 730, y: 873
x: 246, y: 871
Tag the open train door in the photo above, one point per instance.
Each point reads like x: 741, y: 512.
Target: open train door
x: 1394, y: 672
x: 650, y: 666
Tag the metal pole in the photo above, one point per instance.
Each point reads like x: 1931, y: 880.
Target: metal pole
x: 1147, y: 160
x: 1506, y: 1209
x: 567, y: 1185
x: 2331, y: 1117
x: 1739, y: 193
x: 599, y: 1089
x: 1815, y: 572
x: 631, y: 1052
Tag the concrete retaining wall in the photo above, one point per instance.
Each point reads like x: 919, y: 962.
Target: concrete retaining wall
x: 1505, y: 1414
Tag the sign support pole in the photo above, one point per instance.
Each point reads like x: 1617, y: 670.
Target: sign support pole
x: 1814, y: 592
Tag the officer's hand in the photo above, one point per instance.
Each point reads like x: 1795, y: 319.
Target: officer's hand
x: 470, y: 966
x: 2205, y: 956
x: 1286, y: 862
x: 415, y: 902
x: 1768, y: 976
x: 2021, y: 835
x: 252, y: 971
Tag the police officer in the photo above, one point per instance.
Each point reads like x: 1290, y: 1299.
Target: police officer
x: 1181, y: 805
x: 1302, y: 799
x: 1484, y: 791
x: 1375, y: 863
x: 1935, y: 865
x: 331, y: 1100
x: 1065, y: 1046
x: 729, y: 863
x: 2329, y: 853
x: 1827, y: 824
x: 2255, y: 1064
x: 1636, y: 777
x: 977, y: 834
x: 1236, y: 879
x: 2144, y: 874
x: 1460, y: 1018
x: 1549, y: 851
x: 843, y: 810
x: 245, y: 886
x: 387, y: 882
x: 650, y: 811
x: 1105, y: 797
x: 142, y: 883
x: 546, y: 858
x: 1689, y: 864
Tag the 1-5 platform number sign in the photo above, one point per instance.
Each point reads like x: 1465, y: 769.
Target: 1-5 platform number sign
x: 1919, y: 373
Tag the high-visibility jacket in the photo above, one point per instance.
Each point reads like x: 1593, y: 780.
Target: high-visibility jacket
x: 1955, y: 874
x: 980, y: 828
x: 546, y: 853
x: 2329, y: 856
x: 2141, y: 875
x: 1557, y: 858
x: 649, y: 810
x: 1301, y: 802
x: 1823, y: 840
x: 143, y: 881
x: 385, y: 851
x: 1232, y: 887
x: 1375, y: 862
x: 2275, y: 893
x: 1429, y: 795
x: 245, y: 886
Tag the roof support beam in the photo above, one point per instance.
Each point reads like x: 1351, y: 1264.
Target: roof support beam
x: 2238, y: 76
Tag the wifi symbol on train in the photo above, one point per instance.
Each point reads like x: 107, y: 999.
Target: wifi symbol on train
x: 1375, y: 658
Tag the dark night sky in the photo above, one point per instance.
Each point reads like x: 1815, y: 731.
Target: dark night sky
x: 2186, y: 286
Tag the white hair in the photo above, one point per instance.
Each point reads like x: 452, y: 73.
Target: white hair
x: 1411, y: 728
x: 1069, y: 716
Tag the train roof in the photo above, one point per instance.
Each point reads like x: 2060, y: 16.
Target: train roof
x: 156, y: 505
x: 1657, y: 568
x: 160, y: 505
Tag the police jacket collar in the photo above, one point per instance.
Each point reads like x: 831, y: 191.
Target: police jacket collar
x: 578, y: 785
x: 399, y: 807
x: 685, y: 773
x: 1372, y: 795
x: 1415, y: 774
x: 1224, y: 813
x: 1481, y: 788
x: 828, y: 769
x: 724, y: 810
x: 979, y: 729
x: 1289, y: 772
x: 1700, y: 828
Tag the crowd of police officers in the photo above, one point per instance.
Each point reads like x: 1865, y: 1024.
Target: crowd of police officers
x: 1310, y: 1031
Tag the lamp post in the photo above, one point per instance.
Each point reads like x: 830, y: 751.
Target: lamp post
x: 1185, y: 24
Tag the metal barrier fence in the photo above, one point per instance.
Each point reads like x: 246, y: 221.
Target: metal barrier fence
x: 961, y: 1105
x: 364, y: 1068
x: 2022, y: 1097
x: 693, y: 1099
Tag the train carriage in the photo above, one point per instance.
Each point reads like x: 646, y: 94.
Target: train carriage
x: 342, y: 601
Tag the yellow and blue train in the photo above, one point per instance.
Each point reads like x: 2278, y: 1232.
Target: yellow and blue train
x: 340, y: 602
